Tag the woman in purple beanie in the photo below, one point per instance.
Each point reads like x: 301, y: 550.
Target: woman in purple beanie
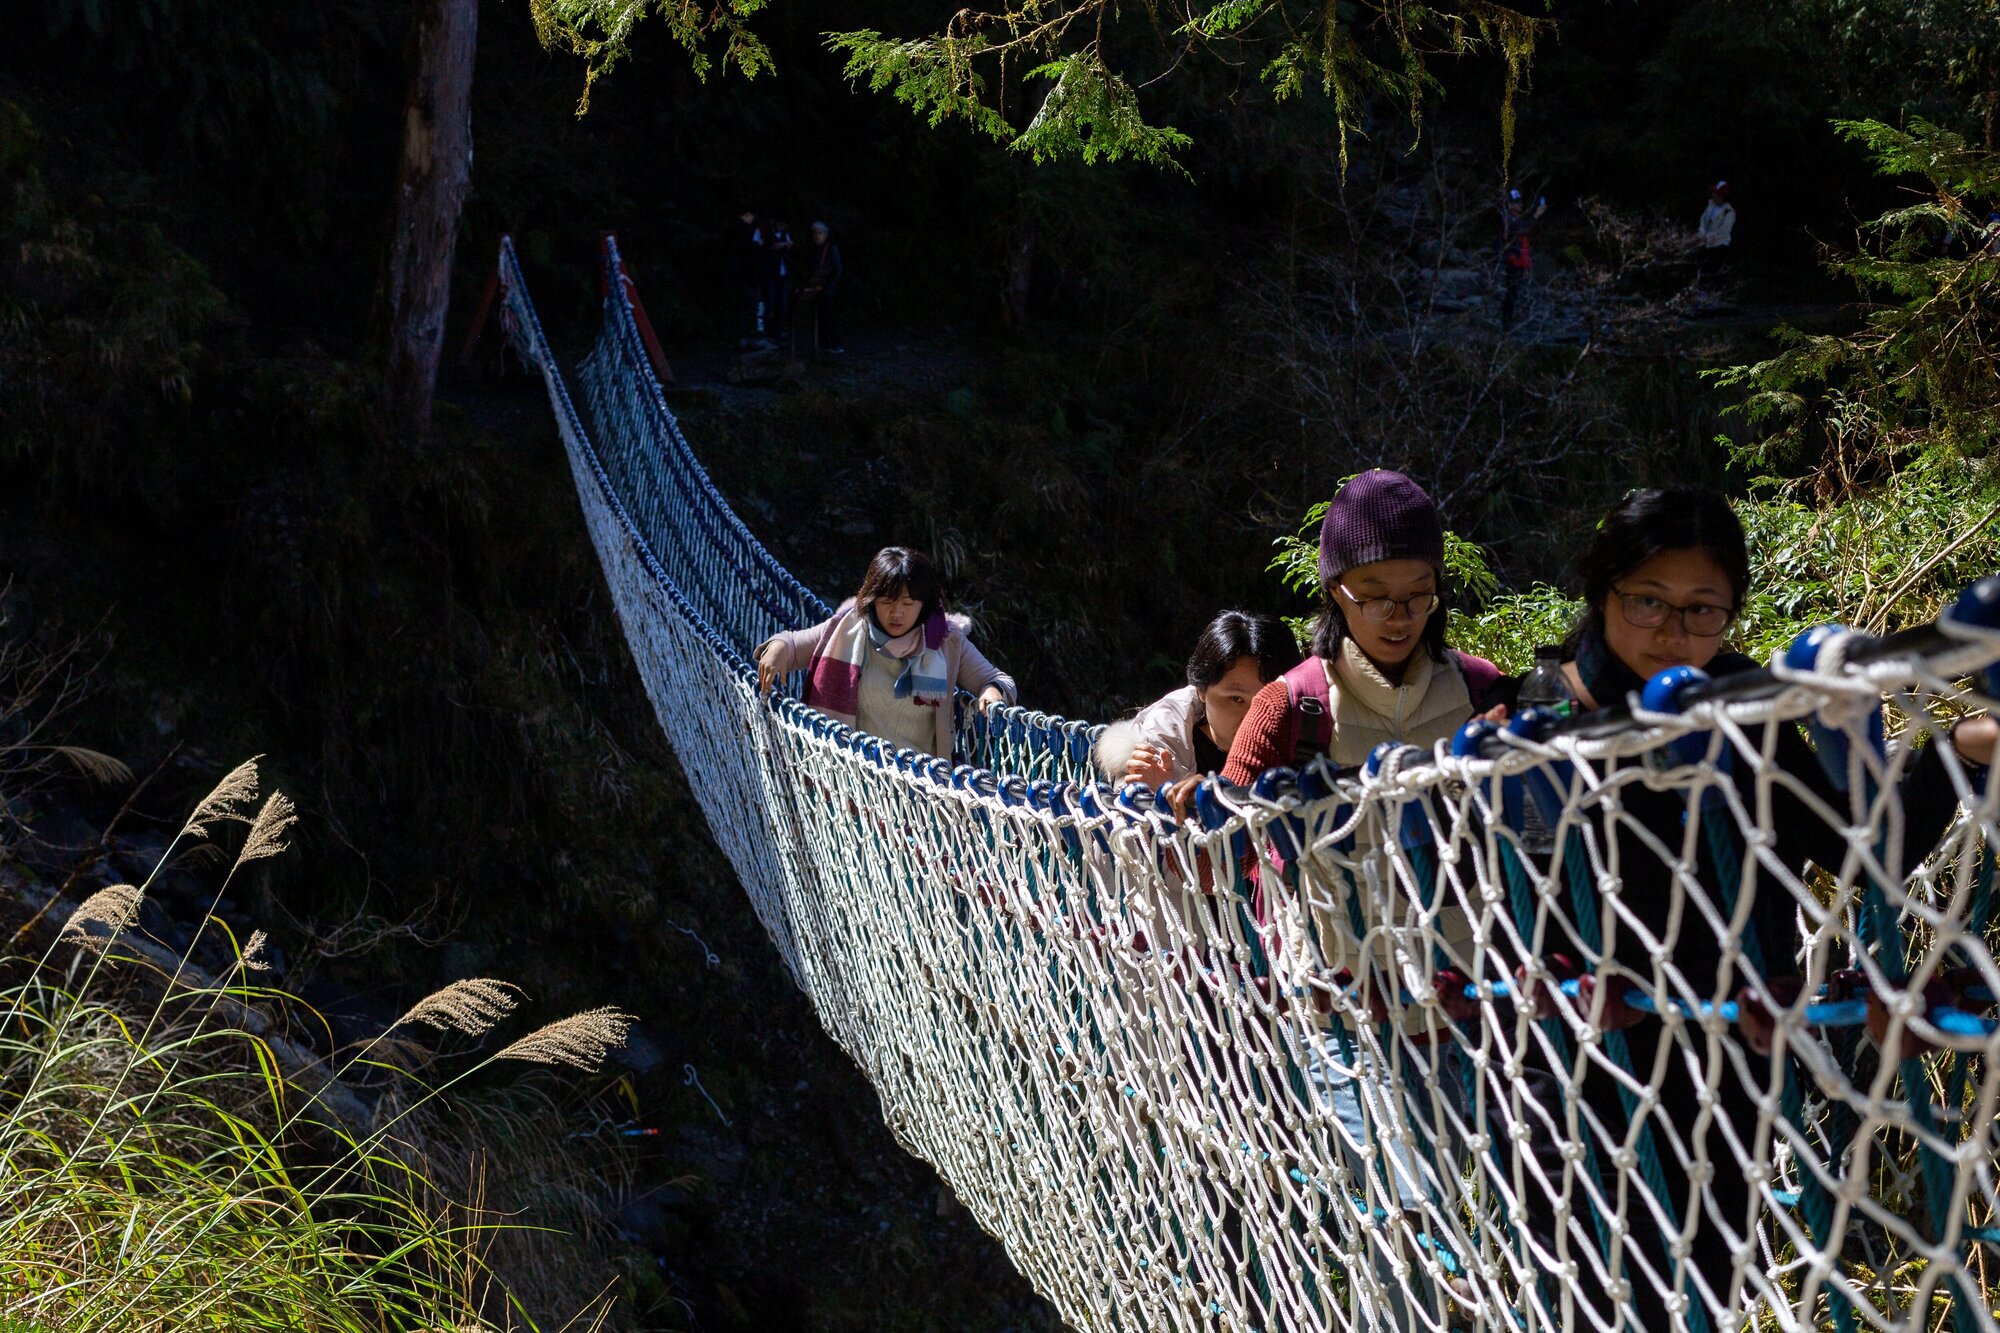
x: 1380, y: 670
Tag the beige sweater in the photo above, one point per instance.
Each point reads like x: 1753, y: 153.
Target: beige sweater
x: 965, y: 667
x: 1430, y: 704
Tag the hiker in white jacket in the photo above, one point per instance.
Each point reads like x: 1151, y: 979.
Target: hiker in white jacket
x: 1187, y: 733
x: 1718, y: 220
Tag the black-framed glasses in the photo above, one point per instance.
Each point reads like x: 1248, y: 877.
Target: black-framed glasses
x: 1704, y: 620
x: 1380, y: 609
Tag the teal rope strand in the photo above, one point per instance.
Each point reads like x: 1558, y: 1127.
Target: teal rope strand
x: 1520, y: 900
x: 1814, y: 1201
x: 1937, y: 1176
x: 1590, y: 933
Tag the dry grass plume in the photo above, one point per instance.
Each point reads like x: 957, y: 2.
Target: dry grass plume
x: 267, y: 834
x: 232, y: 795
x: 472, y: 1006
x: 114, y: 907
x: 581, y: 1040
x: 253, y: 953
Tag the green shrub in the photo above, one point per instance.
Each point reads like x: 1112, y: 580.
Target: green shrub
x: 1876, y: 449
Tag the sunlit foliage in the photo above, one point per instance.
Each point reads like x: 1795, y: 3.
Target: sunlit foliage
x: 1061, y: 79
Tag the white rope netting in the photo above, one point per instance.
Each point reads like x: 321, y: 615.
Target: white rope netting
x: 1340, y: 1054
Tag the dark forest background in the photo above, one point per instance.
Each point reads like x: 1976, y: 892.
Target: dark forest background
x: 198, y: 486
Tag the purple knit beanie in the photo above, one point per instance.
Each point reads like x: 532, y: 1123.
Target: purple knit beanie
x: 1380, y: 515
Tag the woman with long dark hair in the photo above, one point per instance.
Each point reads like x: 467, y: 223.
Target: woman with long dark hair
x: 889, y: 659
x: 1188, y: 731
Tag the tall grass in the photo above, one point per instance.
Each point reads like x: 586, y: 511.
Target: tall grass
x: 169, y: 1161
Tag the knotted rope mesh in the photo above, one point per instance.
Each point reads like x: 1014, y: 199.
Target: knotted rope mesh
x: 1349, y: 1051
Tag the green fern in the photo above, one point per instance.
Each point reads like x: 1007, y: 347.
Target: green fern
x: 936, y: 79
x: 1922, y: 375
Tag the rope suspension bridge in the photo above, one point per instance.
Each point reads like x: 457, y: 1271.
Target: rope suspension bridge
x: 1346, y: 1050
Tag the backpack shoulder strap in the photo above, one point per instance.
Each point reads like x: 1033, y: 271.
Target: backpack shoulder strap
x: 1481, y: 676
x: 1312, y: 704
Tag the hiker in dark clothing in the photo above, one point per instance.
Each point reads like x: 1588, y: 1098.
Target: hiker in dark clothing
x: 777, y: 258
x: 745, y: 264
x: 1517, y: 255
x: 819, y: 290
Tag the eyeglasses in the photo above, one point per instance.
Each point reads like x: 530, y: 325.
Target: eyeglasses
x: 1700, y: 619
x: 1381, y: 608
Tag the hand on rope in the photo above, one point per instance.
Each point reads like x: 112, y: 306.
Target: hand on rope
x: 1618, y: 1013
x: 1567, y: 979
x: 768, y: 669
x: 1756, y: 1010
x: 1181, y: 795
x: 1542, y: 997
x: 1892, y: 1031
x: 1976, y: 737
x: 1456, y: 996
x: 1365, y: 995
x: 1150, y: 765
x: 1947, y: 1003
x: 1844, y: 1002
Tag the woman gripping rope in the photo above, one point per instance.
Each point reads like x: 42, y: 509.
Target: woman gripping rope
x: 1664, y: 578
x: 1187, y: 732
x: 889, y: 659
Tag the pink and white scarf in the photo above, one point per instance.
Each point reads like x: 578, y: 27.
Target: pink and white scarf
x: 833, y: 682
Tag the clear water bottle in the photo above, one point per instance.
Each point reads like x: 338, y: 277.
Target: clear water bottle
x: 1544, y: 687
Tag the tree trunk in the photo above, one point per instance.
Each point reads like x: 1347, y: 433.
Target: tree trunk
x: 431, y: 184
x: 1019, y: 277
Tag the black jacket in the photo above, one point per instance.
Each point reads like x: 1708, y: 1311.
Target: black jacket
x: 746, y: 250
x: 819, y: 266
x: 1646, y: 897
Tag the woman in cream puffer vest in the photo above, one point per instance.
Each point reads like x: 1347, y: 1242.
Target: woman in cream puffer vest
x: 1380, y: 671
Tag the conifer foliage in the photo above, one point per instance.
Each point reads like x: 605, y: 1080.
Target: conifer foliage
x: 1063, y: 80
x: 1879, y: 446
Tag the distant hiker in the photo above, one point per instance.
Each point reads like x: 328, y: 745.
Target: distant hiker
x: 745, y: 264
x: 1712, y: 251
x: 1188, y: 732
x: 889, y: 660
x: 777, y: 274
x: 1718, y: 220
x: 1989, y: 239
x: 1517, y: 253
x: 819, y: 289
